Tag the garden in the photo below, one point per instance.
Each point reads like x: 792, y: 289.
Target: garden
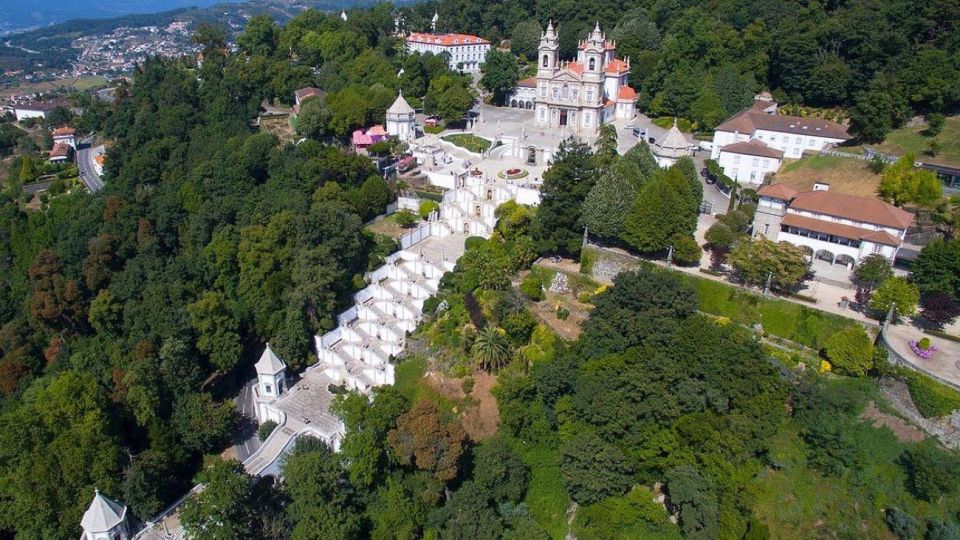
x: 471, y: 143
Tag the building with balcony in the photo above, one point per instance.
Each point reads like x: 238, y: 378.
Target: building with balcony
x: 834, y: 228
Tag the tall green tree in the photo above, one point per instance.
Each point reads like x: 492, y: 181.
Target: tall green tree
x: 558, y: 225
x: 665, y: 206
x: 500, y: 74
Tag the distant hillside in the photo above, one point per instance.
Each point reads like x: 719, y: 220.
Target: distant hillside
x: 49, y: 46
x: 19, y: 15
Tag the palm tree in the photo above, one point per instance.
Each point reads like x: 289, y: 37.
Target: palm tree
x: 490, y: 348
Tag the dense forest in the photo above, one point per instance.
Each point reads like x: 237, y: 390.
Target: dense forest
x: 131, y: 316
x: 704, y: 60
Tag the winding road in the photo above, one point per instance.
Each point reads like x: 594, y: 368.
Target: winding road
x: 88, y: 173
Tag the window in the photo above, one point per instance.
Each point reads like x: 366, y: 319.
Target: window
x: 546, y: 60
x: 799, y: 140
x: 268, y: 389
x: 736, y: 160
x: 593, y: 64
x: 589, y: 96
x: 756, y: 161
x: 555, y: 91
x: 575, y: 92
x: 543, y: 89
x: 877, y: 248
x: 810, y: 141
x: 786, y: 139
x: 586, y: 119
x: 565, y: 92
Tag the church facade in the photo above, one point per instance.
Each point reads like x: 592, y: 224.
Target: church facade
x: 581, y: 95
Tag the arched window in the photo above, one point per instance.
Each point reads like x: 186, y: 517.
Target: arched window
x: 565, y: 92
x: 593, y: 64
x: 546, y: 60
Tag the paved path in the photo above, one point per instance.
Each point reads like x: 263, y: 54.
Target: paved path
x: 245, y: 406
x: 88, y: 173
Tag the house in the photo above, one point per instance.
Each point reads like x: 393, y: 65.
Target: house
x: 792, y: 135
x: 749, y: 162
x: 60, y: 153
x: 583, y: 94
x: 467, y: 52
x: 66, y: 135
x: 38, y: 109
x: 302, y: 94
x: 361, y: 140
x: 831, y: 227
x: 402, y: 120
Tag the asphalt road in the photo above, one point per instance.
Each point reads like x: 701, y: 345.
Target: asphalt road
x: 88, y: 173
x: 246, y: 441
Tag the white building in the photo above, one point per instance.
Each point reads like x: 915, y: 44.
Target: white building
x: 105, y: 519
x: 832, y: 227
x: 271, y: 382
x: 401, y: 120
x: 467, y: 52
x: 586, y: 93
x: 66, y: 135
x: 37, y: 109
x: 792, y: 135
x: 749, y: 162
x: 524, y: 95
x: 671, y: 147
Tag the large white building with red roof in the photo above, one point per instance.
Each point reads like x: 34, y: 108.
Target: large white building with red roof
x: 466, y: 52
x: 833, y: 227
x: 581, y: 95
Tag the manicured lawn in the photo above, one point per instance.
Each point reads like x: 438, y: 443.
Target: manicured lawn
x: 800, y: 324
x: 845, y: 175
x: 912, y: 139
x: 470, y: 142
x: 666, y: 122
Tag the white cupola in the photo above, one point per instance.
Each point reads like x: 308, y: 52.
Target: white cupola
x: 271, y: 374
x: 105, y: 519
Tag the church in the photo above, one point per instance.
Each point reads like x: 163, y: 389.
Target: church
x: 581, y: 95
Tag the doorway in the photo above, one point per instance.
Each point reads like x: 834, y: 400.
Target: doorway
x: 563, y: 117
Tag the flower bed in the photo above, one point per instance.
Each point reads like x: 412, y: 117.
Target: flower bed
x: 513, y: 174
x: 925, y: 353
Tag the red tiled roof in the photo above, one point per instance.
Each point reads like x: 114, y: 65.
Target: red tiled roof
x: 864, y: 209
x: 576, y: 68
x: 60, y: 149
x: 310, y: 91
x: 616, y: 66
x: 777, y: 191
x: 753, y: 147
x: 839, y: 229
x: 749, y: 120
x: 447, y: 40
x: 63, y: 131
x: 529, y: 82
x: 626, y: 93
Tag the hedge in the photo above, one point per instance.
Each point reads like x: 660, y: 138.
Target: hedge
x: 932, y: 398
x: 800, y: 324
x: 943, y: 335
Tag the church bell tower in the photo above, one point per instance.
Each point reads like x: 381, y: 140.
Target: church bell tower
x: 548, y: 53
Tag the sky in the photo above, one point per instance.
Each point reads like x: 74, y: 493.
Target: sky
x: 22, y: 14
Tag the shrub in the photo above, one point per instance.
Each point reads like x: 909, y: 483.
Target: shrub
x: 532, y: 288
x: 931, y: 470
x: 583, y: 297
x: 563, y: 313
x: 850, y: 351
x: 266, y: 429
x: 924, y: 343
x: 685, y: 249
x: 427, y: 207
x: 468, y: 384
x: 405, y: 218
x: 473, y: 242
x: 932, y: 398
x: 901, y: 523
x: 588, y: 258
